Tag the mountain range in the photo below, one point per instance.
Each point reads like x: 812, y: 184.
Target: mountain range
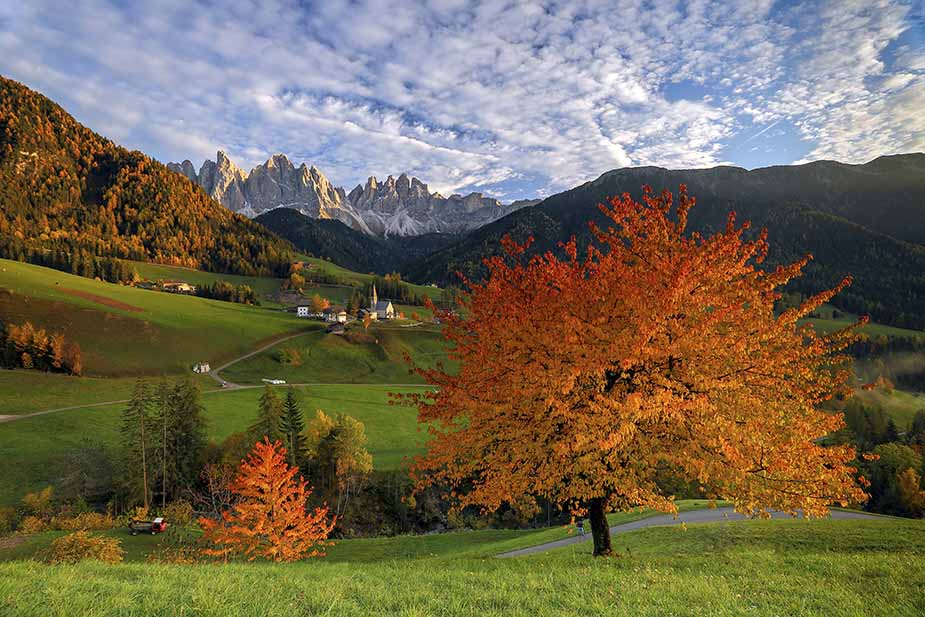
x: 69, y: 194
x: 399, y: 206
x: 864, y: 220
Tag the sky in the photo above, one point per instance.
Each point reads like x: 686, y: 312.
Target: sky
x: 514, y: 99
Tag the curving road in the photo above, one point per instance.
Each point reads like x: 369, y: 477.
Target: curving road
x: 718, y: 515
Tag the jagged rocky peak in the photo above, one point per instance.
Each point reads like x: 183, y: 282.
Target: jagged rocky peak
x: 186, y: 168
x: 401, y: 206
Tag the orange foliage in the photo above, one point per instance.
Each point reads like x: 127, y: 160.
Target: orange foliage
x: 579, y: 378
x: 270, y: 520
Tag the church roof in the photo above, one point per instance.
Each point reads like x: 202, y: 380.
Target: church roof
x: 383, y: 305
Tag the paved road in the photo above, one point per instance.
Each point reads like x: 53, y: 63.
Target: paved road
x: 662, y: 520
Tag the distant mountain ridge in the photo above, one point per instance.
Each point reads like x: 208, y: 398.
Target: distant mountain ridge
x: 864, y: 220
x: 400, y: 206
x: 347, y: 247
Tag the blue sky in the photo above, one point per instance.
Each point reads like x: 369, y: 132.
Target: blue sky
x: 516, y: 99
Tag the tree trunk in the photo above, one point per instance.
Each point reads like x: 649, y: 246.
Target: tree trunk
x: 600, y: 530
x: 144, y: 461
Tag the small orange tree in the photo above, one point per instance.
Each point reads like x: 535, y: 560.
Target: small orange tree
x: 580, y: 378
x: 270, y: 520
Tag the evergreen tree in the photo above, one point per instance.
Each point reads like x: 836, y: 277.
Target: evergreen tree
x: 181, y: 436
x: 916, y: 435
x: 269, y: 417
x: 292, y: 427
x: 891, y: 433
x: 164, y: 402
x: 137, y: 436
x: 187, y: 434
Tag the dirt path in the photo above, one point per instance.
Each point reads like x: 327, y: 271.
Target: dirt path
x: 718, y: 515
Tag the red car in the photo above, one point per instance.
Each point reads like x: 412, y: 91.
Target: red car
x: 158, y: 525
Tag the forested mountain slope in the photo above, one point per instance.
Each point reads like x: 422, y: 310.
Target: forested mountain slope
x: 843, y: 214
x: 68, y: 193
x: 347, y: 247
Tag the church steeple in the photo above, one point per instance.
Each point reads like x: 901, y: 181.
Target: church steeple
x: 374, y: 300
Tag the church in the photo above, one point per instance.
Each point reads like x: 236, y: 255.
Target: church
x: 380, y: 309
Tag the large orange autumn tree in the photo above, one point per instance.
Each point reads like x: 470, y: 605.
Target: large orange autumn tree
x: 580, y: 378
x: 270, y: 519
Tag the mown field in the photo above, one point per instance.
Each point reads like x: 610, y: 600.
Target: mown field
x: 36, y: 445
x: 870, y: 567
x: 127, y: 331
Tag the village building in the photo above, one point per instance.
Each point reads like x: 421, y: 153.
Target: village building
x: 202, y: 367
x: 303, y: 311
x: 178, y: 287
x: 335, y: 314
x: 380, y: 309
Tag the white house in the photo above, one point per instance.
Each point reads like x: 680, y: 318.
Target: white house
x: 202, y: 367
x: 302, y: 311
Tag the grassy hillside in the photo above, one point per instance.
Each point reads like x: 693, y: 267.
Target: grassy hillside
x: 127, y: 331
x: 36, y: 444
x: 870, y: 329
x: 358, y: 279
x: 756, y: 568
x: 263, y: 285
x: 373, y: 356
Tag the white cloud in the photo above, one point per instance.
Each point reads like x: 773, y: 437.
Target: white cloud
x: 467, y: 94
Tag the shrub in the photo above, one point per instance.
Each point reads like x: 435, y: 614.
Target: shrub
x: 290, y: 356
x: 178, y: 512
x: 39, y: 503
x: 32, y: 524
x: 9, y: 517
x: 82, y: 545
x: 87, y: 521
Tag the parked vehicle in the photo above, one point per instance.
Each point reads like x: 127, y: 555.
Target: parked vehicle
x: 158, y: 525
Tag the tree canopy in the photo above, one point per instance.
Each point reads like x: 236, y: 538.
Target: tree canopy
x: 580, y: 378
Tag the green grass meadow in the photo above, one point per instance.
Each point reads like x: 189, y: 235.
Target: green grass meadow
x: 870, y: 567
x: 36, y: 444
x: 127, y: 331
x: 373, y: 356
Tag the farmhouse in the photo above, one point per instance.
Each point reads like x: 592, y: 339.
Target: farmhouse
x: 178, y: 287
x: 202, y: 367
